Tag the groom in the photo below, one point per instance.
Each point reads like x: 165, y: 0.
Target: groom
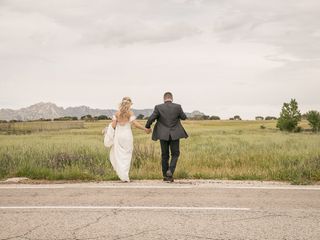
x: 168, y: 130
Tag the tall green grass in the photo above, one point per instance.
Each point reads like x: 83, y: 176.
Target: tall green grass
x: 215, y: 149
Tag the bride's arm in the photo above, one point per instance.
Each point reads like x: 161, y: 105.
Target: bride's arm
x: 114, y: 121
x: 138, y: 125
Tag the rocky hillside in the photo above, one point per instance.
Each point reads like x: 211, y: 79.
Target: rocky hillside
x: 51, y: 110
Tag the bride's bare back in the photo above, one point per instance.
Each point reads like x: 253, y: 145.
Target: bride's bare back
x: 123, y: 120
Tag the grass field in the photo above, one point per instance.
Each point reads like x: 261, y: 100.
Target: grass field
x: 215, y: 149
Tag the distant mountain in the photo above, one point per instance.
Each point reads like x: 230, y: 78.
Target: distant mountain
x: 36, y: 111
x: 51, y: 110
x: 84, y: 110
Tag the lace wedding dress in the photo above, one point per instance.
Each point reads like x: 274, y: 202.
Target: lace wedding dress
x: 122, y: 148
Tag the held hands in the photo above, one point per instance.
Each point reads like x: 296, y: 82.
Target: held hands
x: 148, y: 130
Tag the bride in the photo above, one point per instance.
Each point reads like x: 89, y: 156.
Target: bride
x: 122, y: 144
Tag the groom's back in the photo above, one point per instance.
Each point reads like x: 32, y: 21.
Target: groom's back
x: 169, y: 114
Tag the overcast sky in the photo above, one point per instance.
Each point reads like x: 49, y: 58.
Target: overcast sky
x: 222, y: 57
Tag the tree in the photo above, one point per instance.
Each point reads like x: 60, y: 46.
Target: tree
x: 199, y: 117
x: 66, y: 118
x: 205, y: 117
x: 214, y: 118
x: 102, y: 117
x: 14, y: 121
x: 43, y: 119
x: 237, y: 117
x: 140, y: 117
x: 259, y: 118
x: 87, y: 118
x: 313, y: 118
x: 290, y: 116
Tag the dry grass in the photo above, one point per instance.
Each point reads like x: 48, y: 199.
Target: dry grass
x: 31, y: 127
x: 215, y: 149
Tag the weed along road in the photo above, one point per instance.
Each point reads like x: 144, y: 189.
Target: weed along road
x: 155, y: 210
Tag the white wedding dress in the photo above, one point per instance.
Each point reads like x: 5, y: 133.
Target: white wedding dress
x: 122, y: 148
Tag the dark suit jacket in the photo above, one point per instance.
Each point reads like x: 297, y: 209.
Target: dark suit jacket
x: 168, y: 117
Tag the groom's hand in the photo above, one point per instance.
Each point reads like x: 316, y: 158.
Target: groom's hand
x: 148, y: 130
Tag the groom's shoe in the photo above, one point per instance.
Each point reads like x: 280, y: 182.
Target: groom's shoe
x: 168, y: 179
x: 169, y: 173
x: 165, y: 179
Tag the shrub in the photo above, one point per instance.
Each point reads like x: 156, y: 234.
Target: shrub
x: 298, y: 129
x: 270, y: 118
x: 313, y: 118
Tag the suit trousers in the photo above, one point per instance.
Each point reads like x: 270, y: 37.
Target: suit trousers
x: 174, y: 147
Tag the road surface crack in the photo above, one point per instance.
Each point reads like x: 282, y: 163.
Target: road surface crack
x: 24, y: 235
x: 87, y: 225
x: 136, y: 234
x: 191, y: 236
x: 254, y: 218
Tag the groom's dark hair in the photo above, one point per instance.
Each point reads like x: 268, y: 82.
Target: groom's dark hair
x: 168, y: 95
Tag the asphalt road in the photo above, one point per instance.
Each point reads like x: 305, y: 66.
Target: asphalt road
x: 156, y: 210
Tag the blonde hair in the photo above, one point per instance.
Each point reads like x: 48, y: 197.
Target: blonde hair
x: 125, y: 108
